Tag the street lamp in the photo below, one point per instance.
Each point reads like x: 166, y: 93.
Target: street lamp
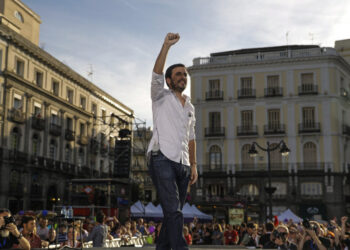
x: 284, y: 150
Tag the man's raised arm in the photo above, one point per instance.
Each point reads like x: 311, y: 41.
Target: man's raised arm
x: 170, y: 39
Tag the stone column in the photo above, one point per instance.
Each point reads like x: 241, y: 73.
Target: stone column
x: 62, y: 137
x: 28, y: 124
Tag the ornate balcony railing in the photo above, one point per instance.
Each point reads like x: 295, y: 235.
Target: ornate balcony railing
x: 273, y: 92
x: 215, y: 132
x: 16, y: 115
x: 214, y: 95
x: 272, y: 129
x: 83, y: 140
x: 38, y: 123
x: 55, y: 129
x: 309, y: 127
x: 246, y: 93
x: 69, y: 135
x: 308, y: 89
x: 251, y: 130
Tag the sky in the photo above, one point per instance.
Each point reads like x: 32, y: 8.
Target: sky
x: 120, y: 39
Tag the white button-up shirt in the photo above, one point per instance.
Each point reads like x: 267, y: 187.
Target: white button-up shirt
x: 173, y: 124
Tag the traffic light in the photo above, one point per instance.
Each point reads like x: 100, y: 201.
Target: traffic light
x: 122, y: 158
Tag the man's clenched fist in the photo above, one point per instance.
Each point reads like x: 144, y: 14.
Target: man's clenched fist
x: 171, y: 38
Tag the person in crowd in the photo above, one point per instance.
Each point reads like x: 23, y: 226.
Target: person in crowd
x: 82, y: 234
x: 42, y: 229
x: 140, y: 226
x: 231, y: 235
x: 28, y: 232
x: 62, y: 233
x: 72, y: 238
x: 217, y: 235
x: 265, y: 238
x: 99, y: 233
x: 10, y: 237
x: 207, y: 233
x: 52, y: 236
x: 310, y: 240
x: 187, y: 236
x: 242, y: 232
x: 197, y: 235
x: 279, y: 239
x: 134, y: 231
x: 249, y: 238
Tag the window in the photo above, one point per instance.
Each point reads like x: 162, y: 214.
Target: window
x: 247, y: 119
x: 216, y: 190
x: 70, y: 95
x: 309, y: 117
x: 83, y: 102
x: 81, y: 155
x: 15, y: 138
x: 37, y: 111
x: 19, y: 16
x: 54, y: 118
x: 52, y: 149
x: 103, y: 115
x: 246, y: 159
x: 307, y: 82
x: 249, y: 190
x: 273, y: 81
x: 281, y: 188
x: 112, y: 119
x: 69, y: 123
x: 17, y: 102
x: 273, y: 119
x: 275, y: 156
x: 55, y: 87
x: 246, y: 83
x: 82, y: 129
x: 309, y: 152
x: 214, y: 85
x: 214, y: 120
x: 68, y: 153
x: 311, y: 188
x: 19, y: 67
x: 94, y: 109
x: 35, y: 145
x: 39, y: 78
x: 215, y: 157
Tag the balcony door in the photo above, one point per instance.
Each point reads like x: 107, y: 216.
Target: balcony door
x: 214, y: 122
x: 247, y: 120
x: 273, y: 119
x: 309, y: 117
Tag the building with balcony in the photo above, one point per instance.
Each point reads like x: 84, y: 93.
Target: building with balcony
x: 55, y: 125
x: 143, y: 185
x: 295, y: 93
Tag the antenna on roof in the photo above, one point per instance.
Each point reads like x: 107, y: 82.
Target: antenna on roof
x: 312, y: 37
x: 287, y: 33
x: 90, y: 72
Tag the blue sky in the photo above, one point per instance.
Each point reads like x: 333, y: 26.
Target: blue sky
x: 121, y: 38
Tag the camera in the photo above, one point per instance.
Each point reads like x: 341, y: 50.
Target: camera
x: 278, y: 235
x: 306, y: 224
x: 8, y: 220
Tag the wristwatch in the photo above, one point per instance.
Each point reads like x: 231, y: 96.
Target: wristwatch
x: 20, y: 236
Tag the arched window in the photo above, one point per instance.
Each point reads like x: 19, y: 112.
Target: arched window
x: 275, y: 156
x: 309, y: 152
x: 19, y: 16
x: 68, y: 153
x: 246, y: 159
x: 249, y: 190
x: 215, y: 157
x: 15, y: 138
x: 53, y: 149
x: 35, y: 145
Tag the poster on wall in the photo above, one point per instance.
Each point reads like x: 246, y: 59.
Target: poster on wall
x: 236, y: 216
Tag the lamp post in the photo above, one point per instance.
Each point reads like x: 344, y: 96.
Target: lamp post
x: 284, y: 150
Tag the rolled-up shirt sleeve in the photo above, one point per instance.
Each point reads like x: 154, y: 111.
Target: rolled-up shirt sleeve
x: 192, y: 135
x: 157, y: 86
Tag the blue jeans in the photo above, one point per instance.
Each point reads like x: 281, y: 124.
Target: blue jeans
x: 171, y: 180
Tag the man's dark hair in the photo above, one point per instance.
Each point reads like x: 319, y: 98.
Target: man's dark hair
x: 169, y: 70
x: 269, y: 226
x: 4, y: 210
x: 27, y: 218
x: 250, y: 225
x: 100, y: 217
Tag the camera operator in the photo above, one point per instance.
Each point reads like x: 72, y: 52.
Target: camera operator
x: 310, y: 239
x: 279, y: 239
x: 9, y: 234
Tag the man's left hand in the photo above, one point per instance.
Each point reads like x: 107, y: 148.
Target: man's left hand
x: 194, y: 174
x: 13, y: 229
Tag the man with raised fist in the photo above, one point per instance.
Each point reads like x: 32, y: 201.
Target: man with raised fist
x: 172, y: 149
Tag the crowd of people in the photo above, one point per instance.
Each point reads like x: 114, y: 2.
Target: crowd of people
x: 28, y: 231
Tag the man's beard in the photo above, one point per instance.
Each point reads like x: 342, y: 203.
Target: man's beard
x: 5, y: 233
x: 175, y: 87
